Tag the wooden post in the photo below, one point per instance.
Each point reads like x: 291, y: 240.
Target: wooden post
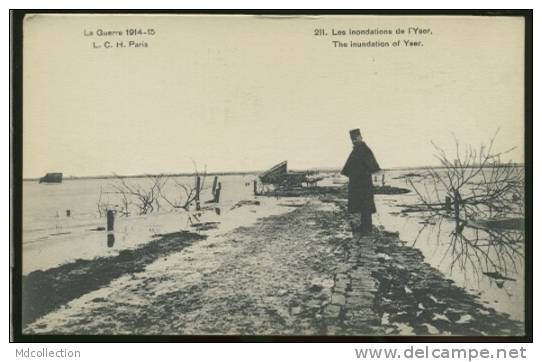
x: 110, y: 228
x: 448, y: 203
x: 217, y: 192
x: 198, y: 186
x: 457, y: 201
x: 215, y: 181
x: 255, y: 187
x: 110, y: 220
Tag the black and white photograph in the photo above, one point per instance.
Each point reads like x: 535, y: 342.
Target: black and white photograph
x: 250, y: 175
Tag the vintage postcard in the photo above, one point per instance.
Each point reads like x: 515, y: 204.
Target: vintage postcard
x: 273, y: 175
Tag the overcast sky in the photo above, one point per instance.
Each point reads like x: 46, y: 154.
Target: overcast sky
x: 244, y: 93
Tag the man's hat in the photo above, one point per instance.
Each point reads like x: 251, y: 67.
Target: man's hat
x: 355, y: 133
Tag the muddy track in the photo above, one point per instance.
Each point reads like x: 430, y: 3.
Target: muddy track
x: 299, y: 273
x: 283, y: 275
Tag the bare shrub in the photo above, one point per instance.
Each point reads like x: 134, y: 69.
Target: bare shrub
x: 471, y: 184
x: 186, y: 195
x: 144, y: 197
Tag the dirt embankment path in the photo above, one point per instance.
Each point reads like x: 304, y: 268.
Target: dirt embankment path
x: 300, y: 273
x: 47, y: 290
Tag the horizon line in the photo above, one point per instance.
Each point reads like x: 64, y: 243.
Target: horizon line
x: 231, y: 173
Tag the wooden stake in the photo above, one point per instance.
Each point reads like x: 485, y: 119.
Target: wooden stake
x: 448, y: 203
x: 217, y: 192
x: 457, y: 200
x: 110, y: 220
x: 110, y: 228
x: 215, y: 181
x: 198, y: 186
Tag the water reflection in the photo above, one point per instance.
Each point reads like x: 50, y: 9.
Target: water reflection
x: 487, y: 262
x: 490, y: 260
x: 476, y: 251
x: 110, y: 240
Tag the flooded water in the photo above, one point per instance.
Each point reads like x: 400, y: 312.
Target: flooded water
x: 487, y: 264
x: 490, y: 266
x: 51, y: 237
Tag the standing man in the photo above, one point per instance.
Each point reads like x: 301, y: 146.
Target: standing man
x: 358, y: 168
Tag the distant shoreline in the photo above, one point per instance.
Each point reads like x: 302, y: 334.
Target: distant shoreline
x: 147, y: 175
x: 241, y: 173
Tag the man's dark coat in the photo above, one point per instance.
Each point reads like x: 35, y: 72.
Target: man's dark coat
x: 358, y: 168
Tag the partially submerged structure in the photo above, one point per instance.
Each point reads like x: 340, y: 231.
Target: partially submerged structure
x: 52, y: 177
x: 279, y: 175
